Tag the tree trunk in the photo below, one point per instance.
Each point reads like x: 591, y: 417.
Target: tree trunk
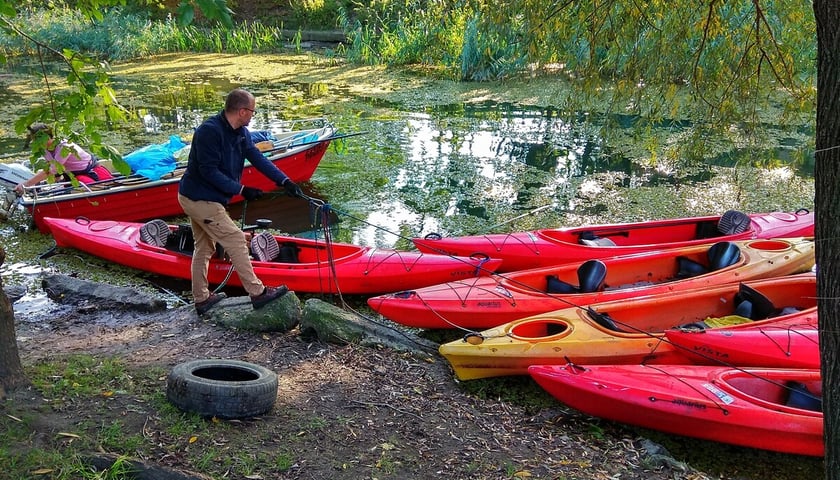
x: 827, y: 206
x: 11, y: 372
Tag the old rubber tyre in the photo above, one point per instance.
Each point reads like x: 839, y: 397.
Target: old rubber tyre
x: 222, y: 388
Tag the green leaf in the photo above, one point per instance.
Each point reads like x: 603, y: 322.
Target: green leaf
x: 186, y: 13
x: 7, y: 9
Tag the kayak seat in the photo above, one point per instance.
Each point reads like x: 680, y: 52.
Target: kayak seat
x: 720, y: 255
x: 181, y: 239
x: 753, y: 304
x: 288, y: 253
x: 723, y: 254
x: 603, y: 319
x: 707, y: 229
x: 155, y: 232
x: 800, y: 397
x: 264, y: 247
x: 592, y: 240
x: 591, y: 275
x: 687, y: 268
x: 733, y: 222
x: 555, y: 285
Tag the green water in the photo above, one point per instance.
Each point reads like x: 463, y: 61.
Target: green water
x: 446, y: 157
x: 438, y: 156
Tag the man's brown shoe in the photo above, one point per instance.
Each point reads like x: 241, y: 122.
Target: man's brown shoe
x: 269, y: 294
x: 214, y: 298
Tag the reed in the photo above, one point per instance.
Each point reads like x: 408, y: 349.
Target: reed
x: 436, y: 34
x: 122, y: 35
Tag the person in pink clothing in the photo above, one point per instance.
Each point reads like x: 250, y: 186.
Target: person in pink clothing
x: 82, y: 164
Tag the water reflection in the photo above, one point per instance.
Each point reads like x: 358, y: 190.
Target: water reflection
x: 457, y: 168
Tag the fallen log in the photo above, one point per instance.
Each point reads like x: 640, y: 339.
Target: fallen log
x: 98, y: 296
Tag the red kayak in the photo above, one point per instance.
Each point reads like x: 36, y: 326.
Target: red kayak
x: 770, y: 409
x: 135, y: 198
x: 545, y: 247
x: 490, y: 301
x: 304, y: 265
x: 793, y: 343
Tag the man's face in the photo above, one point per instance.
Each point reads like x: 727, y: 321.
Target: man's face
x: 247, y: 113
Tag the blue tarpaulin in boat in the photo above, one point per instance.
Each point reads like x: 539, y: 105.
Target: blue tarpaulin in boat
x: 155, y: 161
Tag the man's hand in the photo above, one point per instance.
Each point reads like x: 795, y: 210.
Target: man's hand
x: 292, y: 189
x: 251, y: 193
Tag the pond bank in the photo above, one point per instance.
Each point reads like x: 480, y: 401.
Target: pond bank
x: 343, y: 412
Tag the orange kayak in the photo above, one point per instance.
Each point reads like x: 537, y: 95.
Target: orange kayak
x: 489, y: 301
x: 627, y: 331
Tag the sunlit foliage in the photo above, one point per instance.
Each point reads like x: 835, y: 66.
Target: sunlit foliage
x: 731, y: 66
x: 82, y: 104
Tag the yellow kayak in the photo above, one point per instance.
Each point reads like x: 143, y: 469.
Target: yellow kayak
x: 629, y: 331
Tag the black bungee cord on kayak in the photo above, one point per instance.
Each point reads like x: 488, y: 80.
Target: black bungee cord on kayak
x: 321, y: 216
x: 603, y: 319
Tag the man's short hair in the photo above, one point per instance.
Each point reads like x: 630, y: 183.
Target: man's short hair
x: 237, y: 99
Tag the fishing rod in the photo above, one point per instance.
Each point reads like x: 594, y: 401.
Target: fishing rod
x: 530, y: 212
x: 314, y: 142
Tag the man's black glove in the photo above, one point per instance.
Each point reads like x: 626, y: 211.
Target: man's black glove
x: 251, y: 193
x: 292, y: 189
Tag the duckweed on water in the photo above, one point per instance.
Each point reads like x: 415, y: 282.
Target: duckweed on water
x: 451, y: 157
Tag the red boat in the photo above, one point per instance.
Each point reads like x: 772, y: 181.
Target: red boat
x: 490, y: 301
x: 793, y: 343
x: 771, y: 409
x: 309, y: 265
x: 135, y: 198
x: 546, y: 247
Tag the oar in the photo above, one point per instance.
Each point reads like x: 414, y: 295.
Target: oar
x: 328, y: 139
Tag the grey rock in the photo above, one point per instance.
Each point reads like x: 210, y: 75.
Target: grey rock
x: 15, y: 292
x: 279, y: 315
x: 332, y: 324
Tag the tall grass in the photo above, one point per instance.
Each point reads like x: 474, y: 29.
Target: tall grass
x: 425, y: 32
x: 123, y: 36
x: 448, y: 35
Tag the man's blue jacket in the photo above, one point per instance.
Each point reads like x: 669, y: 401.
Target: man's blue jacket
x: 217, y: 157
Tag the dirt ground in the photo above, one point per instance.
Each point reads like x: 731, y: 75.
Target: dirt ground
x: 342, y: 412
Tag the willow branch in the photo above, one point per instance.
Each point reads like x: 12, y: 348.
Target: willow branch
x: 47, y: 81
x: 761, y: 20
x: 40, y: 46
x: 701, y: 47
